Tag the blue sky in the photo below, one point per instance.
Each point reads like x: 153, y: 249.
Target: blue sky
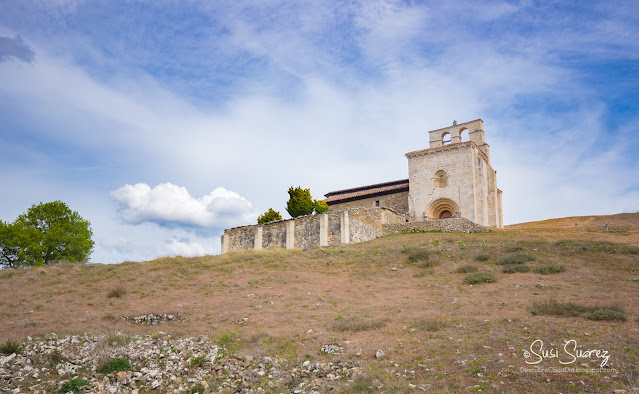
x: 165, y: 122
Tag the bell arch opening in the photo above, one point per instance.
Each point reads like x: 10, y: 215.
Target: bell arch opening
x: 442, y: 208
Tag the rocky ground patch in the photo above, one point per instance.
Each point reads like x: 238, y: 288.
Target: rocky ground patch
x: 157, y: 362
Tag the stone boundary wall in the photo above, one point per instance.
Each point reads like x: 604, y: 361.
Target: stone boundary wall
x: 312, y: 231
x: 445, y: 225
x: 353, y: 225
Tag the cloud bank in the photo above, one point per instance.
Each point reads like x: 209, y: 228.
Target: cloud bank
x: 169, y: 205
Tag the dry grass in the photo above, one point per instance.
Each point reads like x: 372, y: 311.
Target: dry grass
x: 117, y: 292
x: 296, y: 296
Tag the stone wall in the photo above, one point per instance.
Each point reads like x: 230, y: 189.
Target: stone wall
x: 273, y: 235
x: 445, y: 225
x: 307, y: 232
x: 242, y: 238
x: 312, y: 231
x: 395, y: 201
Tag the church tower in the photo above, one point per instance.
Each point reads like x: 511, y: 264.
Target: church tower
x: 454, y: 178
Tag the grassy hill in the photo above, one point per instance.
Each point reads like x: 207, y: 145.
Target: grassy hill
x: 406, y: 295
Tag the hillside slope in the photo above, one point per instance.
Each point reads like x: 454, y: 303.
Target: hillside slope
x: 403, y: 295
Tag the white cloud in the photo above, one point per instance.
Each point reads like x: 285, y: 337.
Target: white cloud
x: 181, y: 247
x: 169, y: 205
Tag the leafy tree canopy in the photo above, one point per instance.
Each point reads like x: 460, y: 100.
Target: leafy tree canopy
x: 300, y: 202
x: 269, y: 216
x: 46, y: 232
x: 320, y: 206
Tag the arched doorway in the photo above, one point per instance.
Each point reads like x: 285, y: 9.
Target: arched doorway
x: 442, y: 208
x: 445, y: 214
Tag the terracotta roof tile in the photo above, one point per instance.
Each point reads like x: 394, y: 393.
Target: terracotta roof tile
x: 361, y: 192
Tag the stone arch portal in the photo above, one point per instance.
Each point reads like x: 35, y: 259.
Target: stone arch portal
x: 442, y: 208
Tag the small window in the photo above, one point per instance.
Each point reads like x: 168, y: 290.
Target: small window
x: 441, y: 179
x: 377, y: 203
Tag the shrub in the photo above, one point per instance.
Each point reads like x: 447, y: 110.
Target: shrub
x: 354, y: 325
x: 228, y: 341
x: 606, y: 314
x: 114, y: 365
x: 269, y: 216
x: 55, y: 358
x: 515, y: 259
x: 479, y: 277
x: 320, y: 207
x: 466, y: 269
x: 482, y: 257
x: 630, y: 250
x: 73, y: 385
x: 513, y: 268
x: 196, y: 361
x: 416, y: 255
x: 569, y: 309
x: 554, y: 308
x: 117, y: 292
x: 10, y: 347
x: 198, y: 389
x: 300, y: 202
x: 547, y: 269
x: 428, y: 324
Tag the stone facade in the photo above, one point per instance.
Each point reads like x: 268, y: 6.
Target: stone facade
x: 454, y: 179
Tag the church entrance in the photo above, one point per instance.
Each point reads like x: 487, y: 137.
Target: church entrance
x: 442, y: 208
x: 445, y: 215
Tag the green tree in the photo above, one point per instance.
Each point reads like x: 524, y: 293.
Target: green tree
x: 300, y: 202
x: 269, y: 216
x: 320, y: 206
x: 46, y: 232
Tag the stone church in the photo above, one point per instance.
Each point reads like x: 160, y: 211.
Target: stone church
x: 451, y: 178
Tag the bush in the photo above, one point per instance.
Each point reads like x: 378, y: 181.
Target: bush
x: 482, y: 257
x: 320, y: 207
x: 300, y: 202
x: 479, y: 277
x: 416, y: 255
x: 606, y: 315
x: 554, y: 308
x: 117, y: 292
x: 196, y: 361
x: 198, y: 389
x: 73, y: 385
x: 547, y: 269
x: 428, y: 324
x: 569, y: 309
x: 466, y: 269
x: 269, y: 216
x: 10, y: 347
x: 515, y: 259
x: 513, y: 268
x: 115, y: 365
x: 354, y: 325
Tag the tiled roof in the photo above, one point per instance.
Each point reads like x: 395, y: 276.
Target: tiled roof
x: 358, y: 193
